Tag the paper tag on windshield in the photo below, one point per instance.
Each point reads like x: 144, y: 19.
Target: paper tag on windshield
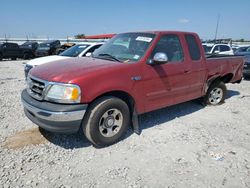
x: 144, y: 39
x: 136, y: 57
x: 82, y: 46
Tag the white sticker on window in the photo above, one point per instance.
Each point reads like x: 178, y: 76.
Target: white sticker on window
x: 82, y: 46
x: 144, y: 39
x: 136, y: 56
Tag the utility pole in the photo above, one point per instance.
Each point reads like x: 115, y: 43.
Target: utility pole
x: 217, y: 26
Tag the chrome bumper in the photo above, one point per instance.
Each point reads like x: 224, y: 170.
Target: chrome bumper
x: 54, y: 116
x: 62, y: 118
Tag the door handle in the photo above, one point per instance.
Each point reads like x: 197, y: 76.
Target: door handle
x: 187, y: 71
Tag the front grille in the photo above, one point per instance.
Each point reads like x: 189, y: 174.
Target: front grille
x: 36, y: 88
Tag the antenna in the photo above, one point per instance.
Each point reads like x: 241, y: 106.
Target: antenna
x: 217, y: 26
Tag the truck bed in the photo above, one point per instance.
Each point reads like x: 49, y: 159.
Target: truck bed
x: 225, y: 65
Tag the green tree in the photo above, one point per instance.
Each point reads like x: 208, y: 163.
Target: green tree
x: 79, y: 36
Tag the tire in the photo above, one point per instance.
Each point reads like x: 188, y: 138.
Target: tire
x: 106, y: 121
x: 216, y: 93
x: 26, y: 56
x: 1, y: 57
x: 13, y: 58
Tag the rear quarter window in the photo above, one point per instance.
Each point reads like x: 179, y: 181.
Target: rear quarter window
x: 193, y: 48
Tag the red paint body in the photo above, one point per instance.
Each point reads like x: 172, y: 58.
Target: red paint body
x: 160, y: 85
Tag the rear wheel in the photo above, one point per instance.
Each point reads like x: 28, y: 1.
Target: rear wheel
x: 26, y: 56
x: 106, y: 121
x: 216, y: 93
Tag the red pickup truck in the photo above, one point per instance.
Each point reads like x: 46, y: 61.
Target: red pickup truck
x: 131, y: 74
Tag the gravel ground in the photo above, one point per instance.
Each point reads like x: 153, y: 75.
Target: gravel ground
x: 185, y: 145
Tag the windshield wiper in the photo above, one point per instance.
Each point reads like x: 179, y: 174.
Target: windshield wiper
x: 110, y: 56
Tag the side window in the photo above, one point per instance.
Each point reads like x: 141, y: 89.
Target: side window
x: 14, y: 45
x: 193, y: 48
x: 171, y: 46
x: 224, y: 48
x: 216, y: 48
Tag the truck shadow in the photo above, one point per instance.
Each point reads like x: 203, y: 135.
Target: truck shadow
x: 147, y: 120
x: 67, y: 141
x: 231, y: 93
x: 163, y: 115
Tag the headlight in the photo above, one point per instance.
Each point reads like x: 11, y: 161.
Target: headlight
x: 64, y: 93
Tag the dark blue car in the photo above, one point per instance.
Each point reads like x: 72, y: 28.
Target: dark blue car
x: 245, y: 51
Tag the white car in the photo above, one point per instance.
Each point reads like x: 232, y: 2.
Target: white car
x: 78, y: 50
x: 223, y: 49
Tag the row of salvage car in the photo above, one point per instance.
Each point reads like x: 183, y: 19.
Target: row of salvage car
x: 31, y: 49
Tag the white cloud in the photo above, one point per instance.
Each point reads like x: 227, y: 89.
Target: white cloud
x: 183, y: 20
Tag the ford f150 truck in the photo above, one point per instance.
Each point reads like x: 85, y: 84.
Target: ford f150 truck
x: 131, y: 74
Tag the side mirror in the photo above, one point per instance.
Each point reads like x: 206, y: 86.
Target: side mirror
x: 159, y: 58
x: 88, y: 54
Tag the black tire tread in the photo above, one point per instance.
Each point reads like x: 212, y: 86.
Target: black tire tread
x: 92, y: 110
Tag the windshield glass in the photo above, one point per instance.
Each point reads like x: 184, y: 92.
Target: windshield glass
x: 248, y: 49
x: 207, y: 48
x: 74, y: 51
x: 125, y: 47
x: 44, y: 45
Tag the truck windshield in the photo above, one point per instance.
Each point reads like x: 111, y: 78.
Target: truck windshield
x: 74, y: 51
x: 127, y: 47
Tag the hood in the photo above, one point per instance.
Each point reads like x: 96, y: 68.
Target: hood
x: 46, y: 59
x: 70, y: 69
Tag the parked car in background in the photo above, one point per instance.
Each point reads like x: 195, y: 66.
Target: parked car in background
x: 79, y: 50
x: 13, y: 51
x: 218, y: 49
x: 242, y: 50
x: 47, y: 48
x: 132, y: 73
x: 245, y: 51
x: 64, y: 47
x: 30, y: 45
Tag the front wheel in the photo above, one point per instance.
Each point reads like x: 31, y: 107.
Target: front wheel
x: 216, y: 93
x: 106, y: 121
x: 26, y: 56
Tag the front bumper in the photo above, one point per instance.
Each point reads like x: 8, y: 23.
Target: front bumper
x: 41, y: 53
x: 61, y: 118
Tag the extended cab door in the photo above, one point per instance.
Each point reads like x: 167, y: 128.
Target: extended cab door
x: 168, y: 83
x: 198, y: 70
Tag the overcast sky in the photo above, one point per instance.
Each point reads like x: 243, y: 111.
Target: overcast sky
x: 61, y: 18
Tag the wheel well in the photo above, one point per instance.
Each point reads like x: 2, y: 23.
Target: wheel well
x: 227, y: 78
x: 123, y: 96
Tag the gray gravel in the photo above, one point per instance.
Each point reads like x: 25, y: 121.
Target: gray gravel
x: 186, y: 145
